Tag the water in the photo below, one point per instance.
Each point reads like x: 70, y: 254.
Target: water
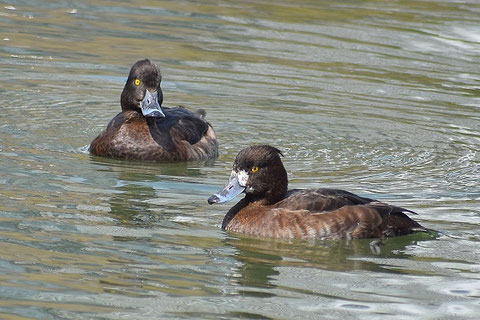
x: 379, y: 98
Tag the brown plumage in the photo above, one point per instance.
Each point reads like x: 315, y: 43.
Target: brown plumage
x: 145, y: 130
x: 269, y: 210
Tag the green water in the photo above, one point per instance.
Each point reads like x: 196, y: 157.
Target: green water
x: 380, y: 98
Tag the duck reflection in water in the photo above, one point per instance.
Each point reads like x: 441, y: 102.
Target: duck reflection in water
x: 262, y: 261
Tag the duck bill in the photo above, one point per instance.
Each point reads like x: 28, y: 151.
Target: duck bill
x: 150, y: 106
x: 230, y: 191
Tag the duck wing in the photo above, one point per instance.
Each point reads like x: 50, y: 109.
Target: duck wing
x: 178, y: 124
x: 358, y: 221
x: 190, y: 128
x: 333, y: 213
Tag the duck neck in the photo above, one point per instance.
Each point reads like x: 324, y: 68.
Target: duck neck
x: 233, y: 211
x: 129, y: 103
x: 130, y: 115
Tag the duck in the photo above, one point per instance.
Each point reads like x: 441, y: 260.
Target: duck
x: 144, y: 130
x: 270, y: 210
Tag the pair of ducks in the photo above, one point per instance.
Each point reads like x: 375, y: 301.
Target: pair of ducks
x: 145, y: 130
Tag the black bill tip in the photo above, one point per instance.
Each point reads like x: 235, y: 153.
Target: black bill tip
x: 213, y: 199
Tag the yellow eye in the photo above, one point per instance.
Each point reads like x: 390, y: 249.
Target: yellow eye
x: 137, y: 82
x: 254, y: 169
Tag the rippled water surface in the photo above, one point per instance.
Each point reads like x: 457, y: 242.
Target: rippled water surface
x: 380, y: 98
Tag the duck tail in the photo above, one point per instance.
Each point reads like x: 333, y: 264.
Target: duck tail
x: 201, y: 113
x: 399, y: 224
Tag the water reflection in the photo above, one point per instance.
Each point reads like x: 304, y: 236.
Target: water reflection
x: 259, y: 258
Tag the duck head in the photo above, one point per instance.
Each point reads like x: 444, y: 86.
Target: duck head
x: 259, y: 172
x: 142, y: 92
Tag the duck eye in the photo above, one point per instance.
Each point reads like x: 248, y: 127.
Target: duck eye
x: 254, y: 169
x: 137, y: 82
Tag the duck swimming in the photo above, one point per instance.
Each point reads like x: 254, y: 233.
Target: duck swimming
x: 145, y: 130
x: 270, y: 210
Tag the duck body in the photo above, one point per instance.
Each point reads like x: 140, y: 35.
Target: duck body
x: 319, y: 214
x: 269, y: 210
x: 180, y: 136
x: 146, y: 131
